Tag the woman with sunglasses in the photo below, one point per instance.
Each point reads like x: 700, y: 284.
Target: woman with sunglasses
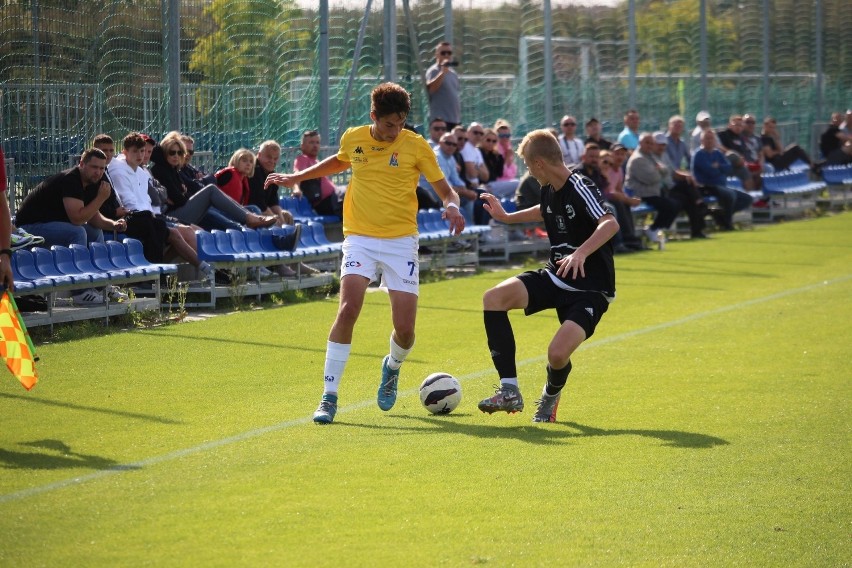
x: 167, y: 159
x: 495, y: 162
x: 504, y: 146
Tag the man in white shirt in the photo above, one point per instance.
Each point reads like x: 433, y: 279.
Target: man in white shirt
x: 475, y: 170
x: 572, y: 147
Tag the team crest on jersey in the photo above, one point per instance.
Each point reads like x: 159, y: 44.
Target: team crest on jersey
x: 569, y: 210
x: 394, y: 162
x: 358, y: 150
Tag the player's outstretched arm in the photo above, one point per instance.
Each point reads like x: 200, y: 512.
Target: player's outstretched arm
x: 328, y: 167
x: 495, y: 209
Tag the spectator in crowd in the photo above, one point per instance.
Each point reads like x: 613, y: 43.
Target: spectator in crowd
x: 144, y: 222
x: 629, y: 137
x: 620, y: 156
x: 677, y: 149
x: 64, y: 209
x: 528, y: 193
x: 233, y: 179
x: 590, y: 166
x: 731, y: 142
x: 847, y: 124
x: 645, y: 179
x: 444, y: 87
x: 593, y: 134
x: 702, y: 123
x: 475, y: 170
x: 833, y: 138
x: 504, y: 146
x: 775, y: 153
x: 444, y: 153
x: 380, y: 233
x: 679, y: 186
x: 437, y: 128
x: 167, y: 159
x: 105, y: 144
x: 842, y: 156
x: 711, y: 169
x: 626, y: 239
x: 495, y: 162
x: 578, y: 282
x: 753, y: 147
x: 7, y: 281
x: 325, y: 197
x: 569, y: 143
x: 266, y: 199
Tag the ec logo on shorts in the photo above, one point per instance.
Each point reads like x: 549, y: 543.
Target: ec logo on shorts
x: 394, y: 162
x: 352, y: 264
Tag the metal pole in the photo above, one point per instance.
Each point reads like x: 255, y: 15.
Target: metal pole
x: 415, y: 53
x: 702, y: 51
x: 389, y: 47
x: 355, y: 56
x: 324, y: 70
x: 448, y: 21
x: 631, y: 54
x: 820, y: 77
x: 174, y: 64
x: 548, y: 64
x: 765, y: 14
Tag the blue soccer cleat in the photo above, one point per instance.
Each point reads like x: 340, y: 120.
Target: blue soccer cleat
x: 326, y: 410
x: 387, y: 389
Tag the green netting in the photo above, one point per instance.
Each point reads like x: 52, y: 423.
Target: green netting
x: 250, y: 69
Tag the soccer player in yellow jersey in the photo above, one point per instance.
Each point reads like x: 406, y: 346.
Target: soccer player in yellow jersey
x: 380, y: 232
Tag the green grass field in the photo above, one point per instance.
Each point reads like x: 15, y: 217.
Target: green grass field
x: 706, y: 423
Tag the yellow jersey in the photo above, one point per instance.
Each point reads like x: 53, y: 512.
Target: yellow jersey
x: 381, y: 200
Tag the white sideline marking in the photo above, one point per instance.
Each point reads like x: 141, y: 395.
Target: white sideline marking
x: 212, y: 445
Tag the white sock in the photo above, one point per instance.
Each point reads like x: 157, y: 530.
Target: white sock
x: 397, y: 354
x: 510, y: 381
x: 336, y: 355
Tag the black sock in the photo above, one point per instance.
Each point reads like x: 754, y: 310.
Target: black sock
x: 501, y: 342
x: 556, y: 379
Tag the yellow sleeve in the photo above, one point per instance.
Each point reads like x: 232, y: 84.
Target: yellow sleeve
x: 427, y: 162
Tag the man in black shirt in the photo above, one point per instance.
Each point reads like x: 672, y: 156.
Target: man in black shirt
x: 578, y: 282
x: 64, y: 208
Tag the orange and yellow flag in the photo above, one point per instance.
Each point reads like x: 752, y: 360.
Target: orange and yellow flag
x: 16, y: 347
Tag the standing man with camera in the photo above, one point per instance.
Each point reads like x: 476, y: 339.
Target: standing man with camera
x: 444, y: 87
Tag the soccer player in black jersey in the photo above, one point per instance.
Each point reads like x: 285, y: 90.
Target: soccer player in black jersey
x: 578, y: 281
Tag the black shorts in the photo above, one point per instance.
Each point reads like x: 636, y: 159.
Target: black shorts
x: 583, y: 308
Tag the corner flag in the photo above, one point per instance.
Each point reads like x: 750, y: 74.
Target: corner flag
x: 16, y: 348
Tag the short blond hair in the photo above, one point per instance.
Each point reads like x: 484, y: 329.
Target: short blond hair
x: 239, y: 155
x: 540, y: 144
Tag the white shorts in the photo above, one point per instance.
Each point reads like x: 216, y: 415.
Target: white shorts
x: 395, y: 260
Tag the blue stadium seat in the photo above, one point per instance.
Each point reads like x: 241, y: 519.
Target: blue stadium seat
x: 223, y: 244
x: 237, y: 241
x: 118, y: 256
x: 63, y: 258
x: 136, y: 256
x: 45, y: 265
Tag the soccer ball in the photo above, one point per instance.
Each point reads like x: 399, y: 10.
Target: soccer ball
x: 440, y: 393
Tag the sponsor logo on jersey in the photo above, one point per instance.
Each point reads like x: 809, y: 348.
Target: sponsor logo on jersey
x: 377, y: 148
x: 591, y: 311
x: 394, y: 162
x: 358, y: 150
x: 561, y: 224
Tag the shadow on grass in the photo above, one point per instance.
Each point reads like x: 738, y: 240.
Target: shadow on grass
x: 72, y: 406
x: 56, y: 455
x: 546, y: 433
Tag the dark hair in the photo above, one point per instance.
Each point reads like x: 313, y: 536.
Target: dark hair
x: 133, y: 140
x: 102, y: 139
x: 592, y: 146
x: 92, y: 153
x: 390, y: 98
x: 437, y: 119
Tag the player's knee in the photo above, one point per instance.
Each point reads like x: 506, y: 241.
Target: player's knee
x: 404, y: 337
x: 494, y: 300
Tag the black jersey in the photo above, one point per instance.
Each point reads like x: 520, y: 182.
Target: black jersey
x: 571, y: 215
